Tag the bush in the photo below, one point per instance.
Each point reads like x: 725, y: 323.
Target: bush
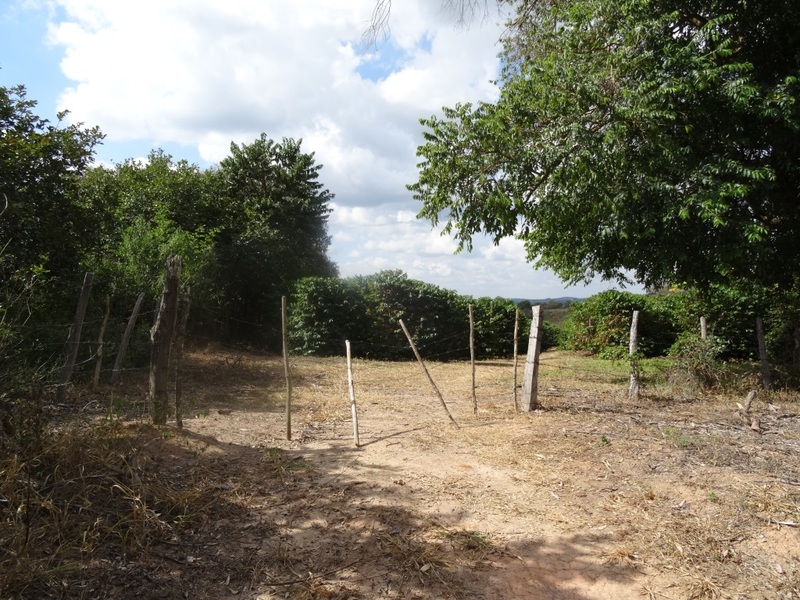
x: 601, y: 324
x: 367, y: 310
x: 325, y: 312
x: 696, y: 360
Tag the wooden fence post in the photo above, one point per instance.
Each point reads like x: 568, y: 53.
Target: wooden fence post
x: 516, y: 358
x: 796, y: 354
x: 472, y: 358
x: 352, y: 388
x: 285, y: 330
x: 184, y: 322
x: 162, y: 335
x: 126, y: 338
x: 424, y: 368
x: 762, y: 353
x: 633, y: 348
x: 99, y: 364
x: 74, y: 340
x: 703, y: 328
x: 530, y: 381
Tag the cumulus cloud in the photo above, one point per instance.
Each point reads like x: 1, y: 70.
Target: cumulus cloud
x: 202, y: 73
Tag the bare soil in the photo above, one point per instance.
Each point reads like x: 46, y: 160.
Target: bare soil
x: 592, y: 497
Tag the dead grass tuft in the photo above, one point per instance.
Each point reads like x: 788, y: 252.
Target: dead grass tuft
x: 85, y: 497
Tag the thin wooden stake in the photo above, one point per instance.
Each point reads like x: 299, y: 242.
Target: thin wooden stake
x: 126, y: 337
x: 99, y: 363
x: 472, y: 358
x: 796, y: 354
x: 74, y: 339
x: 762, y: 352
x: 516, y: 359
x: 530, y: 382
x: 351, y: 387
x: 179, y: 342
x: 424, y: 368
x: 703, y: 328
x: 633, y: 348
x: 285, y: 329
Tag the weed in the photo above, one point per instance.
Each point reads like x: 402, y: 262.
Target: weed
x: 603, y: 441
x: 677, y: 438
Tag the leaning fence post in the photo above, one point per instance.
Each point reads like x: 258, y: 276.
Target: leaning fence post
x: 424, y: 368
x: 100, y: 342
x: 74, y: 340
x: 162, y: 335
x: 126, y: 338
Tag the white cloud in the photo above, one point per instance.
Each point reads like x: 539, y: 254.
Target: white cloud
x: 203, y: 73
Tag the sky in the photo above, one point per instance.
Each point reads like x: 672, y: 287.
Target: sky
x: 192, y: 76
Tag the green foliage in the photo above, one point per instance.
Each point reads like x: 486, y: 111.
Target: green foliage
x: 601, y: 324
x: 41, y: 226
x: 367, y: 310
x: 494, y: 327
x: 43, y: 233
x: 274, y: 232
x: 436, y: 318
x: 697, y: 360
x: 639, y: 139
x: 553, y: 336
x: 325, y: 312
x: 244, y: 231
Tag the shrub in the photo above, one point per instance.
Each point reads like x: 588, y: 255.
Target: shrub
x: 601, y: 324
x: 324, y: 313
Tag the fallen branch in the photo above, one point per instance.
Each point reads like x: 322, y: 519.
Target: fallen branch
x: 310, y: 577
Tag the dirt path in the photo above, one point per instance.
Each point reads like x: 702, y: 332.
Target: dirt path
x: 590, y: 498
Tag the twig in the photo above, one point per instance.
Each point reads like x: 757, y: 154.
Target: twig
x: 312, y: 577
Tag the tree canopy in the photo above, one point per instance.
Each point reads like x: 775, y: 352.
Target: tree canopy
x: 633, y: 140
x: 40, y: 165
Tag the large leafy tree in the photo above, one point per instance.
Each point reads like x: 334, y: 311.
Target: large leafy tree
x: 146, y: 211
x: 43, y: 233
x: 41, y: 225
x: 642, y: 140
x: 274, y: 229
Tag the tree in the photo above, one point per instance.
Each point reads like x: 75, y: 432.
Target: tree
x: 274, y: 229
x: 146, y: 211
x: 40, y: 164
x: 633, y: 140
x: 43, y: 233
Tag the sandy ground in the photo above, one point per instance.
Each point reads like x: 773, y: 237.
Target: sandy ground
x: 589, y: 498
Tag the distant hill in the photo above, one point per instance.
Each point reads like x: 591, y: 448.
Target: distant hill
x: 563, y: 300
x: 555, y: 309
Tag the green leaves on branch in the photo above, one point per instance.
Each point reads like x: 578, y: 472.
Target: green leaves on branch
x: 632, y: 140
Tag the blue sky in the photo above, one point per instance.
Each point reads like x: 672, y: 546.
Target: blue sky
x: 192, y: 76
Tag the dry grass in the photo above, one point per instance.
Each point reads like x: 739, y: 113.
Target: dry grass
x: 679, y: 482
